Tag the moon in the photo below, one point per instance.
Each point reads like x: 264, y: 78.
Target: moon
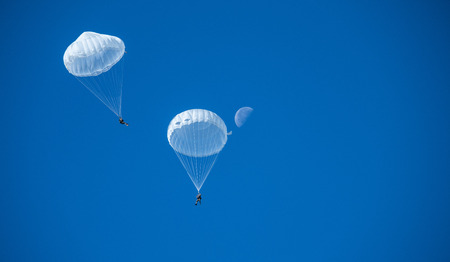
x: 242, y: 115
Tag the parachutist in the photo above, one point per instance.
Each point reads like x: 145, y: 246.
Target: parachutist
x: 122, y: 122
x: 199, y: 199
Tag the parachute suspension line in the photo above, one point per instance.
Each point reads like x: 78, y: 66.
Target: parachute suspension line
x: 118, y: 83
x: 198, y: 167
x: 107, y: 87
x: 197, y: 176
x: 207, y: 163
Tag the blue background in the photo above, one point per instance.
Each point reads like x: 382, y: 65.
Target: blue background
x: 345, y: 158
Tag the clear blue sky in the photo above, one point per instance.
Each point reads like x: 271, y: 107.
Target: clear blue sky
x: 345, y: 158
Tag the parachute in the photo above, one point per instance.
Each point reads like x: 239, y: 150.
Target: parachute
x: 96, y: 60
x: 197, y: 136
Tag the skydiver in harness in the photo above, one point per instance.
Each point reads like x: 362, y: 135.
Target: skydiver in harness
x: 122, y: 122
x: 199, y: 199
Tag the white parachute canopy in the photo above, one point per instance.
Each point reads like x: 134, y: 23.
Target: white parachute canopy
x: 197, y: 136
x: 96, y: 60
